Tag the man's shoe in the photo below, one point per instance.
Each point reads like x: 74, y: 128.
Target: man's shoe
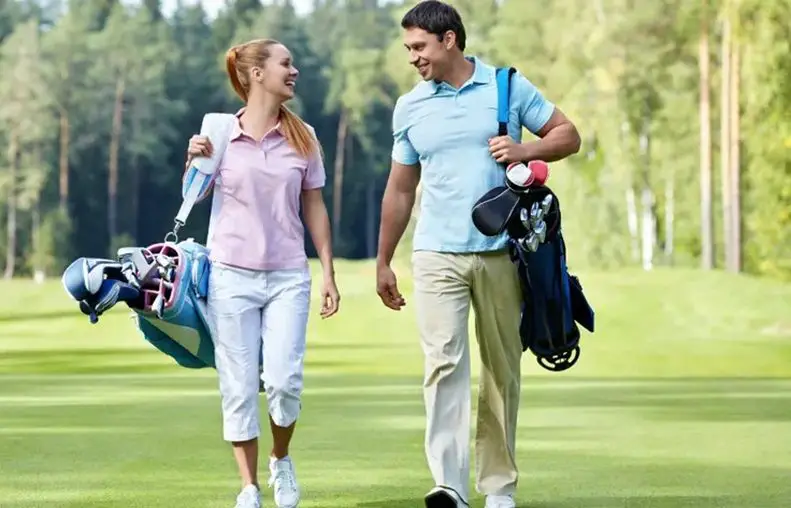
x: 249, y: 497
x: 500, y: 501
x: 440, y: 497
x: 283, y: 480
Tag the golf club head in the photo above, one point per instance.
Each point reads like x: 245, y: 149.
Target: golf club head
x: 546, y: 203
x: 529, y: 242
x: 540, y: 231
x: 536, y: 214
x: 523, y: 216
x: 163, y: 261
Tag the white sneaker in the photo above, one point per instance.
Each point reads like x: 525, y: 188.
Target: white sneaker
x: 500, y: 501
x: 249, y: 497
x: 284, y: 481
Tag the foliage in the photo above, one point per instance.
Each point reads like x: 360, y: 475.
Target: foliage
x: 625, y: 71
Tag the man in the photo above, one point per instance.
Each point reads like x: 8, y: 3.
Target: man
x: 445, y: 133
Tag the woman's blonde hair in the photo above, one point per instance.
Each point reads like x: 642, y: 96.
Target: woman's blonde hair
x: 238, y: 61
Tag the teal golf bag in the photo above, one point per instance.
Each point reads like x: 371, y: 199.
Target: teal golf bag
x: 165, y: 284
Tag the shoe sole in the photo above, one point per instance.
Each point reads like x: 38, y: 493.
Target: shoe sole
x: 440, y: 500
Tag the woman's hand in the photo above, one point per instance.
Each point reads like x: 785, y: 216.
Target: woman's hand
x: 330, y: 299
x: 318, y: 223
x: 199, y: 146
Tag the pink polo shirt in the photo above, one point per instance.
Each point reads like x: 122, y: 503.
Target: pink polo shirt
x: 255, y: 221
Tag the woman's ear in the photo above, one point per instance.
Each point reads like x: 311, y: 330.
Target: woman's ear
x: 257, y: 74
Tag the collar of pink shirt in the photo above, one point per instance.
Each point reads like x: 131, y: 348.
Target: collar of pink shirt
x: 237, y: 131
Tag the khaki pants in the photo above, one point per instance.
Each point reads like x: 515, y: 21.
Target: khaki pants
x: 445, y: 285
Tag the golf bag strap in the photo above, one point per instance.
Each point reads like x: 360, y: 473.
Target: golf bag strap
x: 503, y: 77
x: 200, y: 175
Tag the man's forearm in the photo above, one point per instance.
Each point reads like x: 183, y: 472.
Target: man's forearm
x: 396, y: 210
x: 559, y: 143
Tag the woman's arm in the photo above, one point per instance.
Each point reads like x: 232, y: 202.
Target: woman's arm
x: 318, y: 223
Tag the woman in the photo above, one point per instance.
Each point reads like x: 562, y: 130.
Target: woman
x: 259, y: 288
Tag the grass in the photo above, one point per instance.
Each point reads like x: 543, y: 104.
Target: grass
x: 682, y: 398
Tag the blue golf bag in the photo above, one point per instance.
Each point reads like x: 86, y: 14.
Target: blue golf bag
x: 553, y: 302
x: 164, y: 284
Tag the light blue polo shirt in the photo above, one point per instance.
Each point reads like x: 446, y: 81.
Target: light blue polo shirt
x: 448, y: 132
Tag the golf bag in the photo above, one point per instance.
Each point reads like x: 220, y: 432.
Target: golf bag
x: 164, y: 284
x: 553, y: 302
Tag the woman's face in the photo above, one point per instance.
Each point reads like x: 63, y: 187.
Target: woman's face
x: 279, y: 75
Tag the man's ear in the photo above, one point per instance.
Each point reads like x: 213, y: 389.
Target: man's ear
x: 449, y: 39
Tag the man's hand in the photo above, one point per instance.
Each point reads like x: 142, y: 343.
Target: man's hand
x: 505, y: 150
x: 387, y: 288
x: 330, y: 298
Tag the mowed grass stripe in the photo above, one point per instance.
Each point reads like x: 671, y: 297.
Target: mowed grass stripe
x: 681, y: 399
x: 573, y: 447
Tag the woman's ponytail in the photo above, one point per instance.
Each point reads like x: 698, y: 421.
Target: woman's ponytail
x: 297, y: 134
x: 233, y: 74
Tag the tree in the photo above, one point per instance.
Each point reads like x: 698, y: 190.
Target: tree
x: 25, y: 120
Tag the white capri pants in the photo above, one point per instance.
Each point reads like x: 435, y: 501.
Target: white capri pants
x: 254, y: 314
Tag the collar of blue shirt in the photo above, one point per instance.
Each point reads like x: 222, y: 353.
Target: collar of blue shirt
x: 481, y: 75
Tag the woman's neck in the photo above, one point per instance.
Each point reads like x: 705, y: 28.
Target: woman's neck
x: 260, y: 115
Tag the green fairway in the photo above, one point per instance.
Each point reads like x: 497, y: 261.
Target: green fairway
x: 682, y: 398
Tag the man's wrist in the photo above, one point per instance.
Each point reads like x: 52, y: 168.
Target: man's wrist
x: 526, y: 151
x: 383, y: 261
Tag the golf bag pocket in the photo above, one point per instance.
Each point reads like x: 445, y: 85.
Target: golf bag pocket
x: 173, y: 317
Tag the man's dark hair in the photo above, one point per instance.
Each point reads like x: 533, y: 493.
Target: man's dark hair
x: 436, y: 18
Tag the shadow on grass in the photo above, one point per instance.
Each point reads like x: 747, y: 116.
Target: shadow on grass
x: 703, y: 501
x: 84, y: 361
x: 416, y: 502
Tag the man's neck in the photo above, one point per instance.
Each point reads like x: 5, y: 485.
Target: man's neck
x: 459, y: 72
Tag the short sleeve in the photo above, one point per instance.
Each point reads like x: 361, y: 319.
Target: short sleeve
x: 534, y: 109
x: 315, y: 174
x: 403, y: 152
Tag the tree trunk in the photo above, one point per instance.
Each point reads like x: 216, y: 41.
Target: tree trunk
x: 115, y: 147
x: 669, y: 217
x: 370, y: 217
x: 736, y: 241
x: 134, y: 198
x: 63, y: 159
x: 725, y: 100
x: 647, y: 200
x: 13, y: 164
x: 706, y: 206
x: 337, y: 189
x: 632, y: 222
x: 39, y: 272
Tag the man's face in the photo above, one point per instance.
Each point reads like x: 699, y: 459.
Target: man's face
x: 426, y: 52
